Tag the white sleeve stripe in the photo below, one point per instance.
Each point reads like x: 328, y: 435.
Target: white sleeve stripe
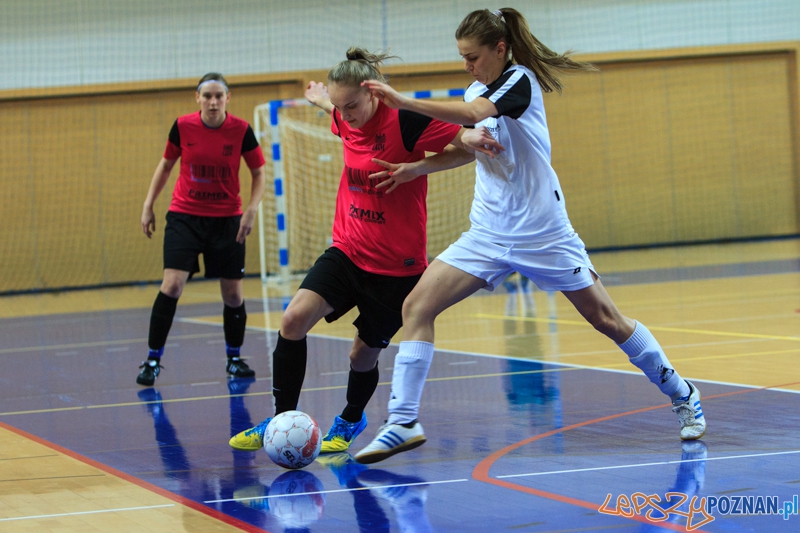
x: 507, y: 86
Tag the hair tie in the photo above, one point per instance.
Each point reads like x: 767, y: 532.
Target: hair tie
x: 213, y: 81
x: 497, y: 13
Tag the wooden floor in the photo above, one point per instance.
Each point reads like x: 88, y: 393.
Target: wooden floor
x: 726, y: 314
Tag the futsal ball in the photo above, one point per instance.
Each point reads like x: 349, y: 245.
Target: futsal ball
x: 296, y: 499
x: 292, y: 440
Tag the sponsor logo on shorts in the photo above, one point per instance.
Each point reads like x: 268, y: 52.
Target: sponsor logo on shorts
x: 577, y: 270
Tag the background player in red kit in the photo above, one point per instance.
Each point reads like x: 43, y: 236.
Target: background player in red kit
x: 379, y: 241
x: 205, y: 217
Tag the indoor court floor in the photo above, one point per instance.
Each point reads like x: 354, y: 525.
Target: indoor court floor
x: 535, y: 422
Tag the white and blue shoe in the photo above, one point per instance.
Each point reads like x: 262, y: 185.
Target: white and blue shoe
x: 690, y: 414
x: 392, y: 439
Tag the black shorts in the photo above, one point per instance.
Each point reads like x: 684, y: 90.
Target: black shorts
x: 188, y: 236
x: 379, y: 298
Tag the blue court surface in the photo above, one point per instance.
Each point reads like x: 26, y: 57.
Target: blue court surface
x: 514, y: 445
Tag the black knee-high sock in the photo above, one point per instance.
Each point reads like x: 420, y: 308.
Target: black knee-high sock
x: 288, y: 372
x: 234, y: 321
x: 360, y: 388
x: 161, y: 321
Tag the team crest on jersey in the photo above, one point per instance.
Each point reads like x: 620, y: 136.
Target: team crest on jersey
x: 227, y: 149
x: 380, y: 142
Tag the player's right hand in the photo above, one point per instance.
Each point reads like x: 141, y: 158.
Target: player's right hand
x: 148, y: 222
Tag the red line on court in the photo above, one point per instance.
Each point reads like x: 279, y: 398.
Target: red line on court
x: 213, y: 513
x: 481, y: 470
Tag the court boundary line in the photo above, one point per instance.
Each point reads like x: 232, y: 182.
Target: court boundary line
x: 481, y: 470
x: 656, y: 463
x: 80, y: 513
x: 211, y: 513
x: 354, y: 489
x: 560, y: 366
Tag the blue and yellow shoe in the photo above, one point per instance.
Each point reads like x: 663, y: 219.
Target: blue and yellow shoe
x: 342, y: 434
x: 250, y: 440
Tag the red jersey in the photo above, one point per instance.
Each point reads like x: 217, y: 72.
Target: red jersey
x: 208, y: 184
x: 385, y: 234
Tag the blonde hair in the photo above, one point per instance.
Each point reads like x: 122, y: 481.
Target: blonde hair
x: 509, y: 26
x: 359, y: 66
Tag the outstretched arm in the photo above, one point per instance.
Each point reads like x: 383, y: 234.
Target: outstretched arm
x: 398, y: 173
x: 460, y: 151
x: 464, y: 113
x: 317, y: 94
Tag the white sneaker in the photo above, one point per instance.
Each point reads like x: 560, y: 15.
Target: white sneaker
x: 391, y: 439
x: 690, y: 414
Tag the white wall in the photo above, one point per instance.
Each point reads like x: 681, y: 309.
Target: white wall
x: 74, y: 42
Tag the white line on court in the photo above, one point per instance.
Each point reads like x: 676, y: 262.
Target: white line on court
x: 338, y: 490
x: 512, y: 358
x: 86, y: 512
x: 659, y: 463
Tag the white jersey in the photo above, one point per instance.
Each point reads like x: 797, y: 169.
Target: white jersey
x: 518, y: 198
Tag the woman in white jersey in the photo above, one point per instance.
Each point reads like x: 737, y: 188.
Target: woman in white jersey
x: 518, y: 222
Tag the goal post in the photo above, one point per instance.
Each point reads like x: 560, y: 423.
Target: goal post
x: 295, y: 219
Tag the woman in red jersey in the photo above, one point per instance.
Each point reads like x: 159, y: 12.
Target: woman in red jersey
x: 205, y: 217
x: 379, y: 241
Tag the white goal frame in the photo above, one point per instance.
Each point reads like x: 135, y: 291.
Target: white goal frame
x: 278, y: 185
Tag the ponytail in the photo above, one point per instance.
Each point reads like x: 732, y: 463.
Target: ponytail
x: 509, y: 25
x: 359, y: 66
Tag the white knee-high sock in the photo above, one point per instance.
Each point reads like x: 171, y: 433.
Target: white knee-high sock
x: 645, y: 353
x: 410, y: 370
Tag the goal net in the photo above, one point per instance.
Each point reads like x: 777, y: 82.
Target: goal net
x: 296, y: 216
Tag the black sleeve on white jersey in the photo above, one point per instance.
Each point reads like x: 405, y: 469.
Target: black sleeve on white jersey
x: 515, y: 100
x: 249, y: 142
x: 175, y: 135
x: 412, y: 126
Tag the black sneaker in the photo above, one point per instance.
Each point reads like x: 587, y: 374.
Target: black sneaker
x: 237, y: 368
x: 150, y: 370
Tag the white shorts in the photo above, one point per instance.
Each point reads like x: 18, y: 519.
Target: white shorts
x: 560, y: 265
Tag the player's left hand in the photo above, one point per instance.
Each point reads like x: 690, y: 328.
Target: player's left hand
x: 246, y: 225
x: 397, y: 173
x: 481, y: 140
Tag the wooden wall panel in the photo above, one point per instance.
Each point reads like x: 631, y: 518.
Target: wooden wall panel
x: 636, y: 104
x: 655, y: 148
x: 764, y: 171
x: 18, y: 243
x: 678, y: 150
